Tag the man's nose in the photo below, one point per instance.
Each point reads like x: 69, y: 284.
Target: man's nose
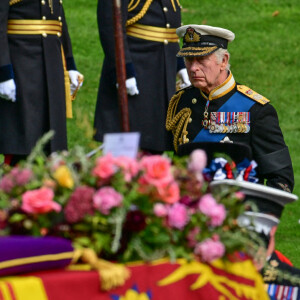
x: 194, y: 65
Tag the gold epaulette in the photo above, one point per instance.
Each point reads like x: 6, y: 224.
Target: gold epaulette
x: 177, y: 122
x: 252, y: 94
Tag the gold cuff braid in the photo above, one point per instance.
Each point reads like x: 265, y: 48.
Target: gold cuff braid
x: 178, y: 122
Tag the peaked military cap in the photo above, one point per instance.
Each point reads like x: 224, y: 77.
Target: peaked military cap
x: 267, y: 199
x: 201, y: 40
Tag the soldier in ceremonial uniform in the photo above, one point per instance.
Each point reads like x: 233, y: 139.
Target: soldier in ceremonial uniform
x: 215, y: 108
x: 35, y: 85
x: 150, y: 44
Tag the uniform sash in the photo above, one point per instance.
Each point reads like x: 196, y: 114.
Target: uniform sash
x: 236, y: 103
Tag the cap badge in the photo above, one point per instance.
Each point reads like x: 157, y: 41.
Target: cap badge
x: 191, y: 36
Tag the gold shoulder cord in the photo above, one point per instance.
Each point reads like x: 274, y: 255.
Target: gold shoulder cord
x: 173, y: 4
x: 12, y: 2
x: 132, y: 5
x: 140, y: 14
x: 177, y: 122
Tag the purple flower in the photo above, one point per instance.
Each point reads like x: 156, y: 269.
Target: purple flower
x: 79, y: 204
x: 135, y: 221
x: 209, y: 250
x: 106, y: 198
x: 178, y: 216
x: 23, y: 177
x: 6, y: 184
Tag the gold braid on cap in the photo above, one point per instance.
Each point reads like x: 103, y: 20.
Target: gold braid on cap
x: 12, y: 2
x: 178, y: 122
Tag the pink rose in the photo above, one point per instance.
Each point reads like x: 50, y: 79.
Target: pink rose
x: 105, y: 167
x: 217, y: 215
x: 209, y: 250
x: 106, y: 198
x: 168, y: 192
x: 39, y: 201
x: 178, y: 216
x: 197, y: 161
x: 157, y: 169
x: 160, y: 210
x: 216, y: 212
x: 129, y: 166
x: 207, y: 202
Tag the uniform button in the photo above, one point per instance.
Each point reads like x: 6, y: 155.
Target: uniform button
x: 165, y: 9
x: 190, y: 120
x: 194, y: 100
x: 44, y: 18
x: 187, y: 140
x: 59, y: 18
x: 59, y: 34
x: 166, y: 42
x: 168, y: 25
x: 44, y: 34
x: 43, y: 2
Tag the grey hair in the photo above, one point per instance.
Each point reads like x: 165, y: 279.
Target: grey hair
x: 220, y: 54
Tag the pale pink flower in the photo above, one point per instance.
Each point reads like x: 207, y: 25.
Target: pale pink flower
x: 178, y: 216
x: 209, y: 250
x: 129, y: 166
x: 157, y: 169
x: 197, y: 161
x: 216, y: 212
x: 239, y: 195
x: 105, y: 167
x: 207, y: 202
x: 106, y: 198
x: 39, y: 201
x: 160, y: 210
x: 217, y: 215
x: 168, y: 192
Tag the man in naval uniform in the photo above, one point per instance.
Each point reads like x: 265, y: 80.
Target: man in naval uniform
x: 215, y: 108
x: 150, y: 46
x: 35, y: 93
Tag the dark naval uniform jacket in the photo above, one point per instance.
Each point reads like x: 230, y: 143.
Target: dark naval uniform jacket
x: 35, y: 52
x: 151, y: 45
x: 235, y: 114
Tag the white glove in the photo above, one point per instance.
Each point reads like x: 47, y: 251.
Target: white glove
x: 76, y: 80
x: 183, y: 75
x: 131, y: 86
x: 8, y: 90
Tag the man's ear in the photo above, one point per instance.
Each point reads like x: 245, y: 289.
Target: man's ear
x: 224, y: 61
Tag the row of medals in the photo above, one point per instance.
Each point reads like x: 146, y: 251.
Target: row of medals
x: 232, y: 127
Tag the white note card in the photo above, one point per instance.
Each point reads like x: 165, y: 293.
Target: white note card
x: 122, y: 144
